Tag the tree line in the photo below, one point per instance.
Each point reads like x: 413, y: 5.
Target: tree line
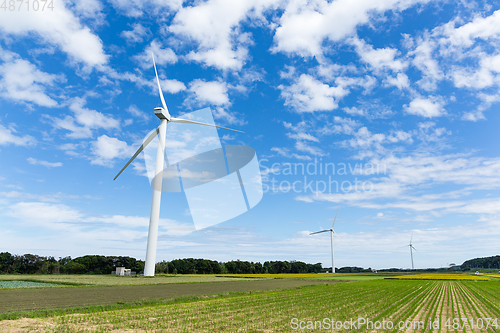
x: 90, y: 264
x: 95, y: 264
x: 488, y: 262
x: 203, y: 266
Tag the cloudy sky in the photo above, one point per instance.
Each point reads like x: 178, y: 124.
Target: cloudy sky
x: 386, y: 110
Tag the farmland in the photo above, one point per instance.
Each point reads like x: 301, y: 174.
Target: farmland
x: 411, y: 302
x: 457, y: 277
x: 113, y: 280
x: 337, y: 276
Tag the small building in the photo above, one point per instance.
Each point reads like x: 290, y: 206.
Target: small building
x: 477, y: 273
x: 122, y: 271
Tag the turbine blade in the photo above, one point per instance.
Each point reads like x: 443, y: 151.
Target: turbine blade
x: 335, y: 218
x: 318, y: 232
x: 411, y: 237
x: 159, y: 87
x: 185, y: 121
x: 340, y: 238
x: 413, y: 247
x: 141, y: 148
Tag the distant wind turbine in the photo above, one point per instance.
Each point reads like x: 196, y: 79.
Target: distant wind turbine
x: 411, y: 251
x: 165, y: 118
x: 331, y: 238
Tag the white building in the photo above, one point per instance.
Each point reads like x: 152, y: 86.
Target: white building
x: 122, y: 271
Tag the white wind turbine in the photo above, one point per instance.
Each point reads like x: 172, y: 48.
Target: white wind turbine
x: 411, y: 250
x: 331, y: 238
x: 165, y: 118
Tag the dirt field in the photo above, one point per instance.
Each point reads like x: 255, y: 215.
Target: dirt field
x: 66, y: 297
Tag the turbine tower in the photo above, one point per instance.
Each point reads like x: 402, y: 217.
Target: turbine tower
x: 165, y: 118
x: 331, y: 239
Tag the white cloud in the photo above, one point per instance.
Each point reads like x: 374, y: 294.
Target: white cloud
x: 486, y: 101
x: 91, y: 118
x: 230, y: 117
x: 341, y: 125
x: 354, y: 111
x: 428, y: 133
x: 429, y: 67
x: 370, y: 108
x: 310, y: 95
x: 137, y: 34
x: 379, y: 59
x: 285, y: 152
x: 68, y: 123
x: 364, y: 139
x: 7, y: 137
x: 58, y: 27
x: 214, y: 26
x: 106, y: 149
x: 87, y: 118
x: 425, y: 107
x: 53, y: 197
x: 400, y: 81
x: 34, y: 161
x: 213, y: 92
x: 89, y: 9
x: 171, y: 86
x: 71, y: 149
x: 303, y: 140
x: 163, y: 56
x: 307, y: 148
x: 22, y: 81
x: 481, y: 27
x: 484, y: 76
x: 44, y: 214
x: 302, y: 136
x: 138, y: 8
x: 134, y: 111
x: 400, y: 180
x: 304, y: 26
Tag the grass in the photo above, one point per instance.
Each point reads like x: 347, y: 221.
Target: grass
x: 458, y: 277
x: 412, y: 301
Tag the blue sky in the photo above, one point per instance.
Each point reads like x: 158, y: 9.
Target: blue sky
x: 400, y: 97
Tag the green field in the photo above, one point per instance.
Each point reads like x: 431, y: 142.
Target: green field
x: 411, y: 302
x: 26, y: 284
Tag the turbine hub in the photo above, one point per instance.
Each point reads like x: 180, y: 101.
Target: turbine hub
x: 162, y: 113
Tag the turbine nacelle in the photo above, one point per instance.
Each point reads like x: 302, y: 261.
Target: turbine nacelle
x: 162, y: 113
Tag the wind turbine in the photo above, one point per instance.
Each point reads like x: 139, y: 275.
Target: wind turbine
x: 165, y: 118
x: 331, y: 238
x: 411, y: 250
